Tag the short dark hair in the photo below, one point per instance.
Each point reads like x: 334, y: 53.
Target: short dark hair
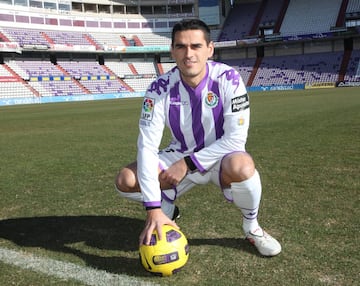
x: 191, y: 24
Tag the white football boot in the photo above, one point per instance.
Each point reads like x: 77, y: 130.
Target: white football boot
x: 264, y: 242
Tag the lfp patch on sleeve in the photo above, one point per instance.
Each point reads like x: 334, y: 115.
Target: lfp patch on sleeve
x: 148, y: 108
x: 240, y: 103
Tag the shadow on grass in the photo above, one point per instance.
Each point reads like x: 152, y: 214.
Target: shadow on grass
x: 102, y: 233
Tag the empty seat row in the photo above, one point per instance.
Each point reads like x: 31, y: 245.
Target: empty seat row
x: 320, y: 67
x: 76, y: 77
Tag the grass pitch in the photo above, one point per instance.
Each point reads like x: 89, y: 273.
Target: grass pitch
x: 58, y: 162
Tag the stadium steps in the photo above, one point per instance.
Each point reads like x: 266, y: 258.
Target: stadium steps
x: 107, y: 69
x: 47, y: 38
x: 133, y: 69
x: 137, y: 41
x: 259, y: 14
x: 344, y: 64
x: 123, y: 83
x: 83, y: 88
x: 254, y: 71
x: 160, y: 68
x: 20, y: 79
x: 125, y: 40
x: 340, y: 22
x: 92, y: 41
x: 126, y: 85
x: 60, y: 68
x: 4, y: 38
x: 281, y: 16
x: 78, y: 83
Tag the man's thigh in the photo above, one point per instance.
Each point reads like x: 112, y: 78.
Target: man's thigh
x: 191, y: 179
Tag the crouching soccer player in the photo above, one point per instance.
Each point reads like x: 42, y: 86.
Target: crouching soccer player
x: 206, y: 107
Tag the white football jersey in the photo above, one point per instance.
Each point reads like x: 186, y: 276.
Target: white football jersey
x: 206, y: 122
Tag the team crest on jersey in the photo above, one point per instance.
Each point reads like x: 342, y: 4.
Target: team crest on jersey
x: 211, y: 99
x: 148, y: 108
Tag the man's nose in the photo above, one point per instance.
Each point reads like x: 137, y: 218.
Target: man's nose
x: 189, y: 52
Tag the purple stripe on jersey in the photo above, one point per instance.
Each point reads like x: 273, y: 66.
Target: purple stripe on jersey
x: 174, y: 115
x: 196, y: 104
x: 196, y: 110
x: 218, y: 111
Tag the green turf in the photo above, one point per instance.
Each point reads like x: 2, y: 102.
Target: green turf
x: 57, y: 167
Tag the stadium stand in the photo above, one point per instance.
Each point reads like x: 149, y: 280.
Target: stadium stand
x: 12, y: 85
x: 68, y: 38
x: 4, y: 73
x: 353, y: 70
x: 155, y: 39
x: 310, y: 68
x: 269, y: 16
x: 28, y: 68
x: 69, y: 54
x: 310, y: 17
x: 244, y: 66
x: 139, y: 84
x: 107, y: 39
x: 27, y: 36
x: 103, y: 86
x: 121, y: 69
x: 57, y: 88
x: 79, y: 68
x: 353, y: 6
x: 12, y: 89
x: 239, y: 22
x: 147, y: 68
x: 167, y: 67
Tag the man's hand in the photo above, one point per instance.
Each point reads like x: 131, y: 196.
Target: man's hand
x: 175, y: 173
x: 155, y: 220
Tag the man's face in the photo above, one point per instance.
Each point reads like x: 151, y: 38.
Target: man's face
x: 191, y: 52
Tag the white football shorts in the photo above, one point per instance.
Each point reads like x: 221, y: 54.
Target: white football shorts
x: 168, y: 157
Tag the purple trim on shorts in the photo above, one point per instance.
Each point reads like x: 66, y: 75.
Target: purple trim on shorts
x: 163, y: 195
x: 197, y: 164
x: 166, y: 198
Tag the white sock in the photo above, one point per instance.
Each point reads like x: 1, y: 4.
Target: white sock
x: 247, y: 196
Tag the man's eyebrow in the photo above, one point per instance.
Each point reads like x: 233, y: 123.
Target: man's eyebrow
x: 192, y: 45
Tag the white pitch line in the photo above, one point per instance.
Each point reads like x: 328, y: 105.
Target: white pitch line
x: 67, y: 270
